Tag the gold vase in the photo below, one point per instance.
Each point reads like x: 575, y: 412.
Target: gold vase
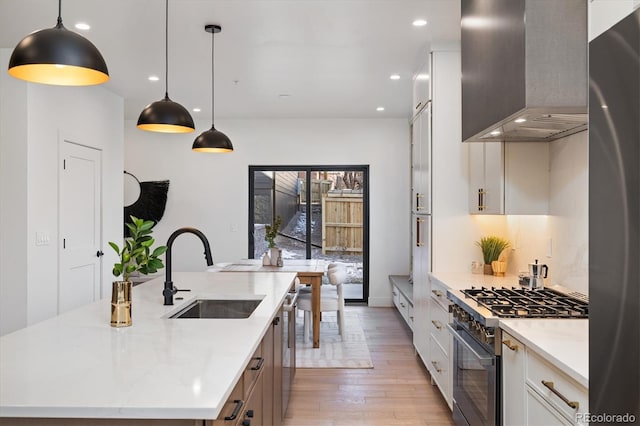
x: 121, y: 304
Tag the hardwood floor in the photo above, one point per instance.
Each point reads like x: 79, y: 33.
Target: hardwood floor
x: 397, y: 391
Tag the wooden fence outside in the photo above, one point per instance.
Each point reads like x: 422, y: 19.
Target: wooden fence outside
x: 342, y: 223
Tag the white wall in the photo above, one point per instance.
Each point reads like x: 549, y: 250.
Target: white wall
x: 13, y: 201
x: 94, y: 116
x: 603, y: 14
x: 210, y: 191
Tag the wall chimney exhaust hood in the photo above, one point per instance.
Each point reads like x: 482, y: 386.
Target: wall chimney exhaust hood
x: 524, y: 69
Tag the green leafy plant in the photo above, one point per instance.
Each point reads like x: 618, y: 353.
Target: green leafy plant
x: 491, y: 247
x: 271, y: 231
x: 136, y: 254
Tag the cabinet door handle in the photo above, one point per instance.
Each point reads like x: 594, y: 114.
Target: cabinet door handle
x: 436, y: 324
x: 418, y: 197
x: 418, y: 105
x: 437, y: 293
x: 394, y: 293
x: 572, y: 404
x: 510, y: 345
x: 481, y: 199
x: 419, y: 242
x: 435, y: 365
x: 239, y: 403
x: 258, y: 366
x: 402, y: 304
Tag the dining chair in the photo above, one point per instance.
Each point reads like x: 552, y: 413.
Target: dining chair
x: 331, y: 298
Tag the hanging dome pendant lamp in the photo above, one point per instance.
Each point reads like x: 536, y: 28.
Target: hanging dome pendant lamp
x: 58, y: 56
x: 212, y: 140
x: 165, y: 115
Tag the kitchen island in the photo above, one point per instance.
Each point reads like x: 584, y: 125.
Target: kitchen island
x: 77, y: 366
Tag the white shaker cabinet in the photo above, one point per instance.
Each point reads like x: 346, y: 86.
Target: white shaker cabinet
x: 486, y: 178
x: 440, y: 363
x: 421, y: 162
x: 536, y: 392
x: 422, y: 86
x: 513, y: 381
x: 509, y: 178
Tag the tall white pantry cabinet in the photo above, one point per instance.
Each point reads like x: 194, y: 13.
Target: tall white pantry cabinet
x: 441, y: 116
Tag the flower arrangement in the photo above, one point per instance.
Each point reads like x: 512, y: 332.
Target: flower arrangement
x: 136, y: 254
x: 271, y: 231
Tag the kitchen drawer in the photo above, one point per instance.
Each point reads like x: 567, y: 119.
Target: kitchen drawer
x: 540, y: 413
x: 396, y: 296
x: 253, y: 369
x: 439, y: 366
x: 410, y: 316
x: 439, y: 294
x: 235, y: 403
x: 439, y: 318
x: 539, y: 370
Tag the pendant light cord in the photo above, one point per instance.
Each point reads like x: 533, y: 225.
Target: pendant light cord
x: 212, y: 78
x: 59, y: 13
x: 166, y: 49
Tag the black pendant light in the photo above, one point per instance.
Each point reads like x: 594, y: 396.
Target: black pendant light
x: 58, y: 56
x: 212, y: 140
x: 166, y: 116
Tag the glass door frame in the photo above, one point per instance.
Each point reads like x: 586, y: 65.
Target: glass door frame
x: 308, y: 170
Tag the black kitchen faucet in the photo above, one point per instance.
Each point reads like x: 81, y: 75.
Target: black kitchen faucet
x: 169, y: 289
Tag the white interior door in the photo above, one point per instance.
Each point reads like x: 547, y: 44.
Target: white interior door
x: 80, y: 225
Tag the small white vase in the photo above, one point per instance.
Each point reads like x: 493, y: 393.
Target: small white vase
x: 273, y: 253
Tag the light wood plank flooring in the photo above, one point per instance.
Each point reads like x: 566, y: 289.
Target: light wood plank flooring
x: 397, y: 391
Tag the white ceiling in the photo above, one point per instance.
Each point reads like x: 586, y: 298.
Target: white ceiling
x: 334, y: 57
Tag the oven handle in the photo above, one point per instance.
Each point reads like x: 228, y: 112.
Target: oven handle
x: 489, y: 360
x: 292, y: 303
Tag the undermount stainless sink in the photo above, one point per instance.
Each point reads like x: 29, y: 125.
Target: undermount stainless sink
x: 219, y: 308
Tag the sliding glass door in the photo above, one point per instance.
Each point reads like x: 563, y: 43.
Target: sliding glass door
x: 324, y: 212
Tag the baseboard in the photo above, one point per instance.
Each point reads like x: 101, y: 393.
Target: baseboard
x: 380, y: 302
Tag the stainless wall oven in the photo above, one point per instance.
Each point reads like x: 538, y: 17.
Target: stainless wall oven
x: 476, y: 370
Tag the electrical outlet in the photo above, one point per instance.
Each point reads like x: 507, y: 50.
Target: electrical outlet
x: 42, y: 238
x: 233, y: 227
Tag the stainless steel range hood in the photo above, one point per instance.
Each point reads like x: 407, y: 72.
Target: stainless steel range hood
x: 524, y: 69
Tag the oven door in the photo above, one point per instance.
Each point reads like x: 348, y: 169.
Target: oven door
x: 475, y: 380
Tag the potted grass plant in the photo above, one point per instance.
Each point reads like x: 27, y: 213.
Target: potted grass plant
x: 270, y: 234
x: 491, y: 247
x: 136, y: 255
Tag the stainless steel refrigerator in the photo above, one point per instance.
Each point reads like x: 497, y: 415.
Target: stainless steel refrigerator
x: 614, y: 221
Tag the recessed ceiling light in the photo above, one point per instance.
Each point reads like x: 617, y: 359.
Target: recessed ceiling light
x: 605, y: 106
x: 394, y: 77
x: 419, y: 23
x: 495, y: 133
x: 154, y: 78
x: 284, y: 96
x: 197, y: 110
x: 83, y: 26
x: 520, y: 120
x: 380, y: 109
x: 422, y: 77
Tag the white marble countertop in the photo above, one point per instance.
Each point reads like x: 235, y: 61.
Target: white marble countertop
x: 77, y: 365
x: 562, y: 342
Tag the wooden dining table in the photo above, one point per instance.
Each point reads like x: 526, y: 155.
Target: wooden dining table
x: 309, y: 271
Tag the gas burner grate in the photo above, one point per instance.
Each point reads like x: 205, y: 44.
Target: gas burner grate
x: 524, y: 303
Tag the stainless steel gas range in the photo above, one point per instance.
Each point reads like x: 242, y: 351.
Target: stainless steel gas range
x: 477, y: 341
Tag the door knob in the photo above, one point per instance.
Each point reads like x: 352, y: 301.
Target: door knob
x: 99, y: 253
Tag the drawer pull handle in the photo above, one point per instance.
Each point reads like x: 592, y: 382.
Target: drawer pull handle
x: 394, y: 293
x: 572, y: 404
x: 239, y: 403
x: 437, y: 293
x: 510, y: 345
x: 435, y: 365
x: 258, y: 366
x: 402, y: 304
x: 436, y: 324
